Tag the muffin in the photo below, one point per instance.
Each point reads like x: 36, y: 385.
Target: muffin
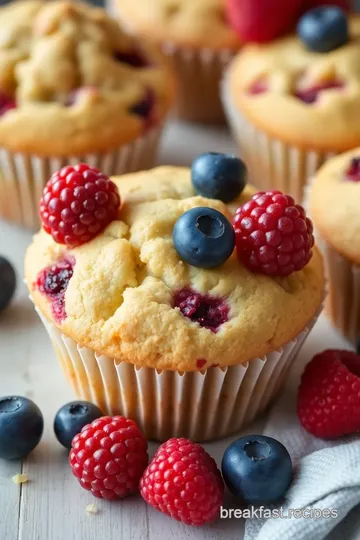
x: 292, y: 107
x: 73, y: 87
x: 334, y: 197
x: 198, y: 39
x: 194, y: 349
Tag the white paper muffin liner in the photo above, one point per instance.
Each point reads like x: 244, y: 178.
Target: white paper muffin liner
x: 272, y: 163
x: 343, y: 301
x: 199, y: 73
x: 23, y: 176
x: 201, y: 405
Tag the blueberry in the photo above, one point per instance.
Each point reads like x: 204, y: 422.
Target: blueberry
x: 71, y: 418
x: 257, y: 469
x: 21, y: 427
x: 324, y: 28
x: 218, y: 176
x: 7, y: 283
x: 204, y: 237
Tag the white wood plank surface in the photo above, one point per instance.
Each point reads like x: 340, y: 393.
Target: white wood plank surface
x: 51, y: 506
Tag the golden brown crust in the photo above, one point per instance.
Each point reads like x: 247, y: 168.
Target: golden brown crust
x: 330, y: 124
x: 334, y: 206
x: 119, y: 300
x: 58, y: 60
x: 188, y: 23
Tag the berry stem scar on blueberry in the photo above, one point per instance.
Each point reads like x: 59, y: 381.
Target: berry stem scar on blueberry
x: 210, y: 226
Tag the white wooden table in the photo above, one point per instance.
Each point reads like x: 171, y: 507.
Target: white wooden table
x: 51, y: 506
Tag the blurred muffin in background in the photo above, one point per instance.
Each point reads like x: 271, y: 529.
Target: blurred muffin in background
x: 334, y: 204
x: 294, y: 102
x: 73, y: 87
x: 197, y: 37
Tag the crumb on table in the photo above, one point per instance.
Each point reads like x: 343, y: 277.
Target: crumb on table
x: 92, y: 509
x: 20, y: 478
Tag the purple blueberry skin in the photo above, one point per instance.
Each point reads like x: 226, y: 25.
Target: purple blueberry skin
x: 324, y: 28
x: 257, y: 469
x: 204, y: 237
x: 21, y: 427
x: 71, y: 418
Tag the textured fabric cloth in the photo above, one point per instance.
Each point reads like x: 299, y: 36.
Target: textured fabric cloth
x: 327, y: 476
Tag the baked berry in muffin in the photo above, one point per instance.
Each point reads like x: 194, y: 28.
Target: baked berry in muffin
x: 294, y: 102
x: 181, y: 321
x: 73, y: 84
x: 199, y: 40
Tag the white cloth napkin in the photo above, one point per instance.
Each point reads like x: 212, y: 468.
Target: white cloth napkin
x: 327, y: 476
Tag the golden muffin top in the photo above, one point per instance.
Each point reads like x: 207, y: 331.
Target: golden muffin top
x: 305, y: 98
x: 189, y: 23
x: 71, y: 80
x: 123, y: 299
x: 335, y: 201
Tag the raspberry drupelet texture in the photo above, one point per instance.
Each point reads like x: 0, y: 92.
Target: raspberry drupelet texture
x: 329, y: 394
x: 273, y: 234
x: 77, y: 204
x: 109, y: 457
x: 183, y: 482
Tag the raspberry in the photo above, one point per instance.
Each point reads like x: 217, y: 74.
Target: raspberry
x: 77, y: 204
x: 329, y: 394
x: 353, y: 171
x: 183, y: 482
x: 273, y: 235
x: 208, y: 311
x: 109, y: 456
x: 262, y: 20
x: 53, y: 282
x: 6, y: 103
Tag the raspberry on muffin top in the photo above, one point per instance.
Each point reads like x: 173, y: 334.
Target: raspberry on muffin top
x: 306, y: 98
x: 196, y: 24
x: 128, y: 294
x: 72, y: 82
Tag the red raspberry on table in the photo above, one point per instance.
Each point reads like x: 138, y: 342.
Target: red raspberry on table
x: 273, y: 234
x: 329, y: 394
x: 77, y: 204
x: 262, y: 20
x: 183, y: 482
x: 109, y: 457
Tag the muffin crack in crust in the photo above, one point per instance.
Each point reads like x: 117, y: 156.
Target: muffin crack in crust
x: 71, y: 66
x: 120, y: 299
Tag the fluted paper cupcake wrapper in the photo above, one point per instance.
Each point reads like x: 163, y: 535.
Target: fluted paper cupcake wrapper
x: 23, y: 177
x: 200, y: 405
x: 343, y: 301
x: 272, y: 163
x: 199, y: 74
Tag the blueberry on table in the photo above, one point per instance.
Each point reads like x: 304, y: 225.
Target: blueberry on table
x: 204, y: 237
x: 21, y: 427
x: 324, y: 28
x: 218, y: 176
x: 257, y: 469
x: 7, y: 282
x: 71, y: 418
